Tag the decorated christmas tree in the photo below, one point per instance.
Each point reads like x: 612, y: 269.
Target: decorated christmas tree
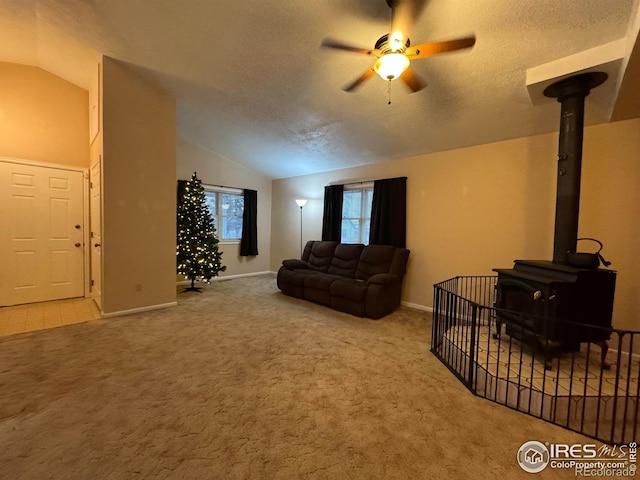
x: 198, y: 256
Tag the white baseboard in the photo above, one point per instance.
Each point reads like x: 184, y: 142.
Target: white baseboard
x: 139, y: 310
x: 613, y: 352
x: 417, y: 306
x: 229, y: 277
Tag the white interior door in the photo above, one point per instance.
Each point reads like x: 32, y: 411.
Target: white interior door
x: 96, y: 233
x: 41, y: 233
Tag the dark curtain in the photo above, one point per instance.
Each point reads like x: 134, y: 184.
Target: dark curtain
x: 389, y: 212
x: 249, y: 241
x: 332, y: 216
x: 181, y: 186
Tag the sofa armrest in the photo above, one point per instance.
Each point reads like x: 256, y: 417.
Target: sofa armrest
x: 384, y: 278
x: 294, y: 264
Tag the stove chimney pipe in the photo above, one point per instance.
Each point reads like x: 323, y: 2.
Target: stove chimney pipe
x: 571, y: 93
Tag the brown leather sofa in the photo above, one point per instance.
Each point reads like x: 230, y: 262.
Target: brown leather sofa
x: 361, y: 280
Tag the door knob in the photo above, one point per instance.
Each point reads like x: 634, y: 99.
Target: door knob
x: 78, y: 227
x: 96, y: 244
x: 78, y: 244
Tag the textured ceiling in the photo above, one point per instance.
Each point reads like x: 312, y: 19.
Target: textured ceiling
x: 252, y: 84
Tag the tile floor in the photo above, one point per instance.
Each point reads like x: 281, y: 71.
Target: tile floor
x: 575, y: 393
x: 42, y: 315
x: 581, y: 375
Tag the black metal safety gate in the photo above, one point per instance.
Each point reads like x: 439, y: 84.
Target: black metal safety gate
x: 578, y: 390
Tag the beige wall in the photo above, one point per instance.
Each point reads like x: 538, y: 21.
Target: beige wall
x: 473, y: 209
x: 215, y: 169
x: 139, y: 191
x: 610, y: 208
x: 42, y: 117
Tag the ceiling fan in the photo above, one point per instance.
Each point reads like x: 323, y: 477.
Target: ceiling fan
x: 394, y: 51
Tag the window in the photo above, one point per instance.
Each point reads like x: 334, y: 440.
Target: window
x: 356, y: 214
x: 226, y: 207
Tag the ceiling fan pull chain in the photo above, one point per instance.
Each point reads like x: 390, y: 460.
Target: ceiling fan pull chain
x: 389, y: 91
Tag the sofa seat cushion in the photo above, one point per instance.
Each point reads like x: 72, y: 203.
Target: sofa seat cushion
x: 320, y: 281
x: 295, y: 277
x: 349, y: 288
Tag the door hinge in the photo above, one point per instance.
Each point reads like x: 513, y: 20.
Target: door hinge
x: 92, y: 283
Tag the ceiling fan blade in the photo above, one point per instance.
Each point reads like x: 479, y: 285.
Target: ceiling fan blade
x: 330, y: 43
x: 412, y: 80
x: 428, y: 49
x: 405, y: 13
x: 358, y: 81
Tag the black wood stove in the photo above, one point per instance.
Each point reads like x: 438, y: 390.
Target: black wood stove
x: 557, y: 305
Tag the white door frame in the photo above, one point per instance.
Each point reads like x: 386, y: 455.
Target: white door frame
x: 92, y: 240
x: 85, y: 208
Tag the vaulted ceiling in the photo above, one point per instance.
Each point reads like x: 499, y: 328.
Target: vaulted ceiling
x: 252, y: 83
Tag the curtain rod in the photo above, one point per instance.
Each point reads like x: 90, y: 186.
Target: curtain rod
x: 350, y: 183
x: 360, y: 182
x: 221, y: 186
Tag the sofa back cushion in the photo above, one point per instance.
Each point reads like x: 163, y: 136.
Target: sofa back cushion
x: 307, y: 250
x: 321, y: 255
x: 345, y: 259
x: 382, y: 259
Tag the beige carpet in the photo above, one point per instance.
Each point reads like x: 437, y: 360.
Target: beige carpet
x: 243, y: 382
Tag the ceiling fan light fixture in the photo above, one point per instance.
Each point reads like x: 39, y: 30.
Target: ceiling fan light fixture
x: 391, y: 65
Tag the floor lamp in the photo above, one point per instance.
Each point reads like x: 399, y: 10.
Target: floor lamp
x: 301, y: 203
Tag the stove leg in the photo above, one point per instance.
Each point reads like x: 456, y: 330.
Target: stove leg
x: 604, y: 348
x: 498, y: 329
x: 548, y: 359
